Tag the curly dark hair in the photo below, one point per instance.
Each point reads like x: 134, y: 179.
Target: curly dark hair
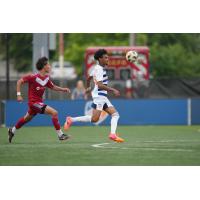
x: 41, y: 63
x: 99, y: 54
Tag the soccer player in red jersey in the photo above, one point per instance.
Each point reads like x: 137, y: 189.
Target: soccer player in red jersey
x: 37, y: 84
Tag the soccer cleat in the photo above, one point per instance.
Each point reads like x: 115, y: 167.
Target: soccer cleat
x: 115, y: 138
x: 64, y: 137
x: 68, y: 123
x: 10, y: 135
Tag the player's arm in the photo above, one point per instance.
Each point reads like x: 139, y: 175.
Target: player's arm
x: 98, y: 79
x: 88, y: 88
x: 109, y: 89
x: 54, y: 87
x: 19, y: 84
x: 61, y: 89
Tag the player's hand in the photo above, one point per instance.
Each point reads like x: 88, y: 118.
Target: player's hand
x: 19, y: 98
x: 66, y: 90
x: 88, y: 90
x: 116, y: 92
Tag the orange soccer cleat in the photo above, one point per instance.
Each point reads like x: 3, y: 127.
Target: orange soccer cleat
x: 115, y: 138
x: 68, y: 123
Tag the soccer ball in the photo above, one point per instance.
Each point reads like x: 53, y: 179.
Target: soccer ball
x: 131, y: 56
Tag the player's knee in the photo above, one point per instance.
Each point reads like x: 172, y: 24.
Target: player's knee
x: 95, y: 119
x: 54, y: 113
x: 116, y: 115
x: 27, y: 119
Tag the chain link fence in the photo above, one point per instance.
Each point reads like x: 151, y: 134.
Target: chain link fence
x: 155, y: 88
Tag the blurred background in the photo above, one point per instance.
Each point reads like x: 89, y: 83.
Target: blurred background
x: 168, y: 66
x: 173, y: 59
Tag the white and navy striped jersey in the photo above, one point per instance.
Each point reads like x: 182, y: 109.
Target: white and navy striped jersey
x: 99, y: 74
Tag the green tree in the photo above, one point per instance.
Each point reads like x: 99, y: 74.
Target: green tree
x: 189, y: 41
x: 174, y: 54
x: 20, y: 46
x: 171, y: 54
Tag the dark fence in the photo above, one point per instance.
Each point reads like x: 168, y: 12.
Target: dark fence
x: 153, y: 89
x: 48, y: 95
x: 173, y: 88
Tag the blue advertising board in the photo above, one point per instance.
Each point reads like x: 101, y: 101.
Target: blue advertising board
x: 195, y: 111
x: 132, y: 112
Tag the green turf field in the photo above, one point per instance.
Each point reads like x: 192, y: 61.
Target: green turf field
x: 144, y: 145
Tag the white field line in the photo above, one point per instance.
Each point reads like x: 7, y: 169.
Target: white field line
x: 99, y: 145
x: 107, y: 146
x: 168, y: 141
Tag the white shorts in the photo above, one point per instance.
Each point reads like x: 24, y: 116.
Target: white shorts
x: 101, y: 103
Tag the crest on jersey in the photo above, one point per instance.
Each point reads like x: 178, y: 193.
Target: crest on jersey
x: 88, y: 111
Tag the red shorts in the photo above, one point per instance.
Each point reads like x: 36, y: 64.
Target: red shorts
x: 37, y: 107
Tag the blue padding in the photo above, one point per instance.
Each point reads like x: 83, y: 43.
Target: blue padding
x: 132, y: 112
x: 195, y: 111
x: 152, y: 112
x: 15, y: 110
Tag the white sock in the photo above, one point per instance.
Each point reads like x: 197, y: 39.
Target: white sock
x: 114, y: 120
x: 13, y: 129
x: 59, y: 132
x: 86, y: 118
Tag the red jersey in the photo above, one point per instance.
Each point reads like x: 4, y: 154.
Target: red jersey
x: 36, y: 86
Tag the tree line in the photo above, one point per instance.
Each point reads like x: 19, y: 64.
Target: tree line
x: 171, y: 54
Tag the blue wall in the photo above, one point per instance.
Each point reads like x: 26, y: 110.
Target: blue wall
x: 195, y: 111
x: 132, y: 112
x: 152, y: 111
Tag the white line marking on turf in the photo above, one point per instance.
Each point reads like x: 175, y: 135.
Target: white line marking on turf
x: 107, y: 146
x: 99, y: 145
x: 166, y: 141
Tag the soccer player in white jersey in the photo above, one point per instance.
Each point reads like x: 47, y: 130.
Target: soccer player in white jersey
x: 99, y: 95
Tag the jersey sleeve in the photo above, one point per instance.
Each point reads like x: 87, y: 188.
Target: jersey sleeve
x: 50, y: 84
x: 91, y: 73
x: 98, y: 74
x: 28, y: 78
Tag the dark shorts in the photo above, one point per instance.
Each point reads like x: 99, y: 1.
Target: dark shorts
x: 95, y: 106
x: 37, y: 107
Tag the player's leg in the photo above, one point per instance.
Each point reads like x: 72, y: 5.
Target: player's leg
x: 95, y: 115
x: 19, y: 124
x: 114, y: 120
x: 86, y: 118
x: 54, y: 116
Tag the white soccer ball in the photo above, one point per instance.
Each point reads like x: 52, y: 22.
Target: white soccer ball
x: 131, y: 56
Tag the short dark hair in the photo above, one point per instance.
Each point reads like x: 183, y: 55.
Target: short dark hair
x: 41, y: 63
x: 99, y: 54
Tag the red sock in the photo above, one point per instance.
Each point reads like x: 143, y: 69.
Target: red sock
x: 20, y: 123
x: 56, y: 122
